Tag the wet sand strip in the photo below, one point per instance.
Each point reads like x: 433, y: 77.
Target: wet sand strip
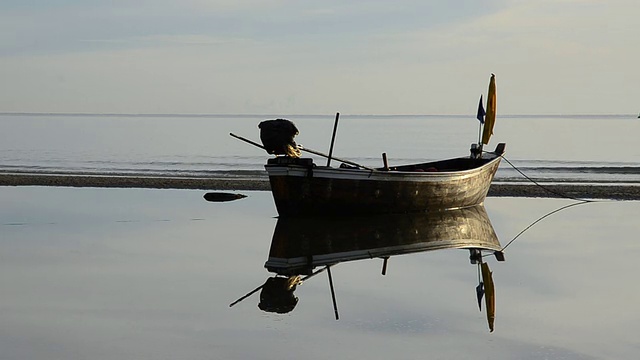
x: 143, y: 182
x: 580, y: 191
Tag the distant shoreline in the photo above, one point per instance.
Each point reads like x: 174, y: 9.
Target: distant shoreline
x: 212, y: 115
x: 579, y: 191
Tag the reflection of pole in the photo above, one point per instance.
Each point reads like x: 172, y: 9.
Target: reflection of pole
x: 384, y: 265
x: 333, y: 139
x: 261, y: 286
x: 333, y: 293
x: 246, y: 296
x: 312, y: 275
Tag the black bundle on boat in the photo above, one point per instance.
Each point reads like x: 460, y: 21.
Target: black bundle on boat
x: 277, y: 137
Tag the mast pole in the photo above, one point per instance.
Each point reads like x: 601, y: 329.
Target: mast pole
x: 333, y: 138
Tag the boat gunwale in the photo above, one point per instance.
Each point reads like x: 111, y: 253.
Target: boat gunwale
x: 379, y: 174
x: 284, y: 264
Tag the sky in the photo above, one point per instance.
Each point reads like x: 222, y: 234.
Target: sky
x: 319, y: 57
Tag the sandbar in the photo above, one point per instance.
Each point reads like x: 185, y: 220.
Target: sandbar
x: 555, y: 190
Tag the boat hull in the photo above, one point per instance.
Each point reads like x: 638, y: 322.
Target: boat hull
x: 301, y: 190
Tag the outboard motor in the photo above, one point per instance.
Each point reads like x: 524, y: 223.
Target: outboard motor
x: 277, y: 137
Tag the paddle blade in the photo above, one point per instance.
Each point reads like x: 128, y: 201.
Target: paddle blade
x: 490, y: 299
x: 490, y: 117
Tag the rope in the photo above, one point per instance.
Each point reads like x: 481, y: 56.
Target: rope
x: 541, y: 218
x: 544, y: 187
x: 579, y: 202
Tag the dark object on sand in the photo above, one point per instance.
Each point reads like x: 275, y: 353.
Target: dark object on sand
x: 221, y: 197
x: 277, y: 137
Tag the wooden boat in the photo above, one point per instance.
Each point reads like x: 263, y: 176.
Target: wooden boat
x: 301, y: 244
x: 300, y: 187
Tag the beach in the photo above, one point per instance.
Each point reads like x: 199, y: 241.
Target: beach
x: 554, y: 190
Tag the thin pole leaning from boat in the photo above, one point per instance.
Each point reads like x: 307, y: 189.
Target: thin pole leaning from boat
x: 333, y: 139
x: 335, y: 158
x: 303, y: 149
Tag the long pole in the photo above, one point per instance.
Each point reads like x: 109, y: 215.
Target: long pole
x: 303, y: 149
x: 333, y: 139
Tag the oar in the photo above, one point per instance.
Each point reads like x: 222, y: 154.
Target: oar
x: 304, y: 149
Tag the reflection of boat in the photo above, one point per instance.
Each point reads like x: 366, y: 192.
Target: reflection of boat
x: 299, y: 245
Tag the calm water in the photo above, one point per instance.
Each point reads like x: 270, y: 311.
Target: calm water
x: 551, y: 148
x: 149, y: 274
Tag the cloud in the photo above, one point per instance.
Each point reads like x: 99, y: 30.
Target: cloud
x: 68, y: 26
x: 359, y: 57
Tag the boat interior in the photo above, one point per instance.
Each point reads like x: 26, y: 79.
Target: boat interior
x: 456, y: 164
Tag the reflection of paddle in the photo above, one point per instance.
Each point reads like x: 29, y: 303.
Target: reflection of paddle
x: 221, y: 196
x: 490, y: 299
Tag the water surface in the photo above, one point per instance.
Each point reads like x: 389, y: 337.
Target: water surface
x: 130, y: 273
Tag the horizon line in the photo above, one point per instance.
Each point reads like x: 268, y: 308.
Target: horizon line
x: 204, y: 115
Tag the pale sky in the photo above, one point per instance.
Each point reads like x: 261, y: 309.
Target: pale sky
x: 319, y: 57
